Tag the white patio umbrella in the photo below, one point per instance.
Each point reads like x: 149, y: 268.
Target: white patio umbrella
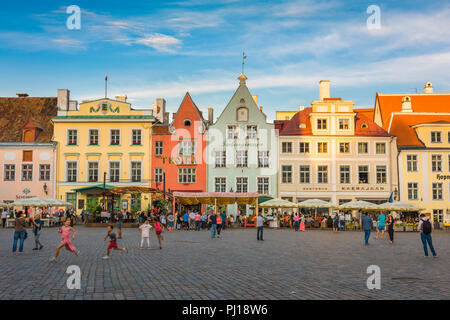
x: 277, y: 203
x: 31, y: 202
x: 3, y: 205
x: 315, y: 204
x: 359, y: 205
x: 399, y: 206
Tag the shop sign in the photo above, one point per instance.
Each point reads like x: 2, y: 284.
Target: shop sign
x: 443, y: 176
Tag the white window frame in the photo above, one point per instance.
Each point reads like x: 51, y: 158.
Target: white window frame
x: 349, y: 174
x: 98, y: 170
x: 327, y: 175
x: 66, y: 177
x: 416, y: 161
x: 98, y: 137
x: 292, y: 174
x: 132, y: 137
x: 68, y: 137
x: 159, y: 154
x: 407, y: 191
x: 304, y: 143
x: 268, y: 184
x: 49, y: 171
x: 287, y: 143
x: 109, y: 170
x: 185, y: 175
x: 300, y: 173
x: 131, y: 170
x: 22, y: 171
x: 4, y: 172
x: 245, y: 164
x: 110, y: 137
x: 236, y: 184
x: 215, y: 184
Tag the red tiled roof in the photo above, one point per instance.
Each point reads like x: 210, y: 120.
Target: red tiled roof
x: 160, y: 129
x: 291, y: 127
x: 16, y: 112
x: 366, y: 112
x: 402, y: 123
x: 420, y: 102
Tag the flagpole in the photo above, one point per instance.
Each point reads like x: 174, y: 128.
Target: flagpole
x: 106, y: 84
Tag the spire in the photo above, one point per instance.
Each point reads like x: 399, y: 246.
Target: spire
x: 242, y: 78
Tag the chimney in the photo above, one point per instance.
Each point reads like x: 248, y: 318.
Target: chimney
x: 260, y: 109
x: 73, y: 105
x: 22, y: 95
x: 428, y: 87
x: 63, y: 99
x: 210, y: 115
x: 324, y: 91
x: 406, y: 104
x: 166, y: 117
x: 174, y: 114
x: 255, y: 98
x: 121, y: 98
x: 159, y: 109
x: 301, y: 108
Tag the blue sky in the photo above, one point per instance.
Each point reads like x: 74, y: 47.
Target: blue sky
x: 156, y: 49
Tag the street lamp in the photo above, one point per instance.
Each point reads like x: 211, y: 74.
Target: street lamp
x: 45, y: 187
x: 395, y: 193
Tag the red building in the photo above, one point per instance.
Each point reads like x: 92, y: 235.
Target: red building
x: 179, y: 149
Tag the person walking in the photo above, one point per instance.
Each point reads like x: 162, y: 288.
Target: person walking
x: 20, y: 231
x: 170, y: 222
x: 112, y: 242
x: 4, y: 217
x: 302, y: 222
x: 223, y: 215
x: 37, y: 226
x: 204, y: 218
x: 342, y: 222
x: 144, y: 230
x: 158, y: 230
x: 336, y: 223
x: 259, y: 227
x: 425, y: 228
x: 213, y: 222
x: 367, y: 225
x: 296, y: 222
x: 119, y: 218
x: 390, y: 228
x: 198, y: 220
x: 65, y: 231
x: 186, y: 221
x: 381, y: 225
x: 219, y: 224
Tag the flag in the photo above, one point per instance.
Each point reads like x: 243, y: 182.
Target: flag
x: 106, y: 76
x: 391, y: 198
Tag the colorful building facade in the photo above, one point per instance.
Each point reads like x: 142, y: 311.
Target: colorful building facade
x: 27, y: 154
x: 242, y: 150
x: 330, y: 151
x: 178, y: 150
x: 421, y: 122
x: 105, y: 141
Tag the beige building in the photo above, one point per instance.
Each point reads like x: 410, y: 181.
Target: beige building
x: 330, y: 151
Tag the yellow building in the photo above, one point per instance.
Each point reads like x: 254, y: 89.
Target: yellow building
x: 421, y: 122
x: 287, y: 115
x: 103, y: 140
x: 332, y: 152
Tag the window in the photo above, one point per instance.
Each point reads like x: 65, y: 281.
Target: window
x: 242, y: 114
x: 263, y: 159
x: 136, y: 136
x: 343, y: 124
x: 241, y: 158
x: 220, y: 184
x: 381, y: 174
x: 413, y: 191
x: 322, y: 124
x: 27, y: 156
x: 363, y: 174
x: 304, y: 147
x: 221, y: 159
x: 305, y: 174
x: 436, y: 163
x: 436, y: 137
x: 114, y: 171
x: 380, y: 148
x: 72, y: 137
x: 115, y: 137
x: 93, y: 171
x: 158, y: 148
x: 241, y: 184
x: 136, y: 202
x: 439, y: 214
x: 72, y: 198
x: 448, y: 137
x: 411, y: 162
x: 344, y: 147
x: 10, y: 172
x: 136, y: 171
x: 186, y: 148
x: 158, y: 175
x: 322, y: 147
x: 93, y: 137
x: 71, y: 171
x: 252, y: 132
x: 233, y: 132
x: 187, y: 123
x: 263, y: 185
x: 344, y: 172
x: 286, y: 174
x: 44, y: 172
x: 437, y: 191
x: 322, y: 174
x: 186, y: 175
x: 27, y: 172
x: 286, y: 147
x: 363, y: 147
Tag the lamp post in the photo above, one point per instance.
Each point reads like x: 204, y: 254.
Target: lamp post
x: 395, y: 193
x: 104, y: 190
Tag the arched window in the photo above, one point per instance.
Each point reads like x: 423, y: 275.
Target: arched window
x: 187, y: 123
x: 364, y: 126
x: 242, y: 114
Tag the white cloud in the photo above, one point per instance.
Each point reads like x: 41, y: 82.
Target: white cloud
x: 159, y: 41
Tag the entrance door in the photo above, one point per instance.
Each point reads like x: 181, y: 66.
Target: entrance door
x: 91, y: 204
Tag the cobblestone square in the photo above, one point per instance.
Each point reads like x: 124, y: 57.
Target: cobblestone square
x: 287, y: 265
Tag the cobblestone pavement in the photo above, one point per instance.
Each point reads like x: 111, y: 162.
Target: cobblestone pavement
x: 287, y: 265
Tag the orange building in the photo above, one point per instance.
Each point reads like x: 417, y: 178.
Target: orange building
x: 178, y: 161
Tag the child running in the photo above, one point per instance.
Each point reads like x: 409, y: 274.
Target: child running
x: 144, y: 230
x: 112, y: 242
x: 159, y: 227
x: 65, y: 233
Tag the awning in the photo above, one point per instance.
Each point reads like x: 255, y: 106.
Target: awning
x: 221, y: 198
x: 98, y: 188
x: 262, y: 199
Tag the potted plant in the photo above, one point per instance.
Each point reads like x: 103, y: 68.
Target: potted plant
x: 399, y: 227
x: 409, y: 227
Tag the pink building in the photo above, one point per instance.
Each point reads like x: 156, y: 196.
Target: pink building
x: 27, y: 154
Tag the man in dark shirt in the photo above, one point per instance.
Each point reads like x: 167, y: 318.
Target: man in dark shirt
x: 213, y: 220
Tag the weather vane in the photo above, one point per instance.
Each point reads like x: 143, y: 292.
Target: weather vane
x: 243, y: 58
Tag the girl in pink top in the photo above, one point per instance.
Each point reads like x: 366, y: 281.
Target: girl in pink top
x: 65, y: 233
x: 159, y: 227
x: 302, y: 223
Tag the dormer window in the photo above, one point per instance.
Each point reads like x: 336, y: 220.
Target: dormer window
x: 364, y: 126
x: 436, y: 137
x: 302, y: 126
x: 321, y: 124
x: 187, y: 123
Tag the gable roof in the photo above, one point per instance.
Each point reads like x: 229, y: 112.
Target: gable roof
x: 368, y: 113
x: 16, y: 112
x: 420, y: 102
x: 188, y: 102
x: 291, y: 127
x: 402, y: 124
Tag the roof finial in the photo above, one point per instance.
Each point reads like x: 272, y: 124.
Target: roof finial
x: 243, y: 62
x: 106, y: 85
